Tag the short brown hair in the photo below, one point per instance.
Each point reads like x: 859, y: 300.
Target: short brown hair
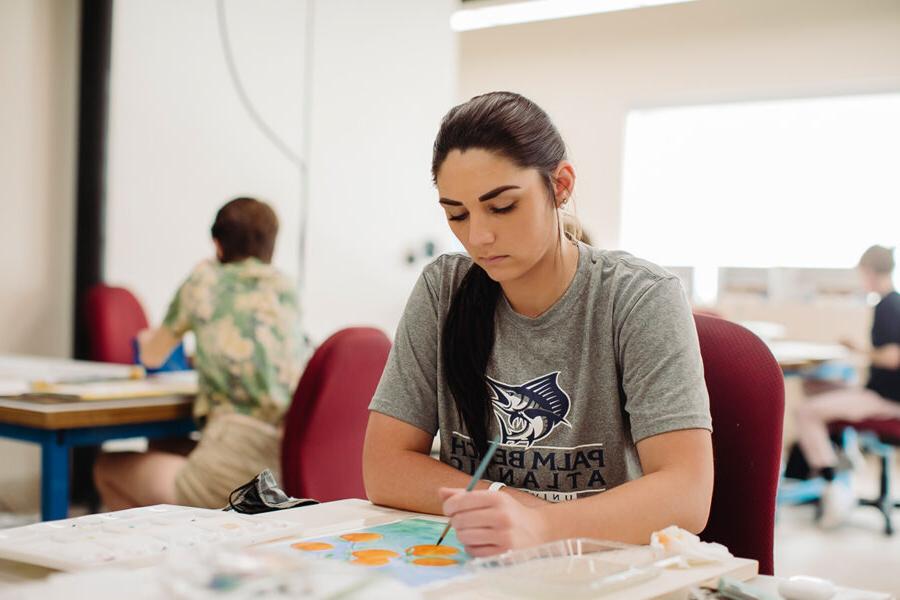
x: 245, y: 228
x: 878, y: 259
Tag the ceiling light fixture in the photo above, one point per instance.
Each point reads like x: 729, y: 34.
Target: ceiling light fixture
x: 514, y: 13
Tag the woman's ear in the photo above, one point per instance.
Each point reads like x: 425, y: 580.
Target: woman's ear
x: 219, y: 253
x: 564, y: 185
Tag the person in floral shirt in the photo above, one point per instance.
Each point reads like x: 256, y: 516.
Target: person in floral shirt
x: 250, y: 352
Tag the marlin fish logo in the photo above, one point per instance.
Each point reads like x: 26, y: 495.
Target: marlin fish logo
x: 530, y: 411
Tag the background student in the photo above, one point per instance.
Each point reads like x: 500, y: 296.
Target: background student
x: 250, y: 351
x: 879, y: 399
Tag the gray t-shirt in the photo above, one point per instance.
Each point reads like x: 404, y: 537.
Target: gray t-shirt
x: 613, y: 361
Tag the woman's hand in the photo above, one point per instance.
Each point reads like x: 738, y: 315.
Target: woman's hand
x: 850, y: 345
x: 155, y: 346
x: 489, y: 523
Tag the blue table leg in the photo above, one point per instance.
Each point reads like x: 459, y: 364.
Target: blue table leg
x: 55, y: 445
x: 54, y: 476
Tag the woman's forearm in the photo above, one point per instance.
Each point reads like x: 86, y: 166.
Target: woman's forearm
x: 632, y: 511
x: 156, y: 345
x: 886, y: 357
x: 410, y: 480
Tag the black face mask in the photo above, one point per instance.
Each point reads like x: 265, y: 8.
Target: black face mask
x: 262, y: 494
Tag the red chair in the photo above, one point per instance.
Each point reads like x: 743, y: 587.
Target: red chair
x: 114, y: 317
x: 321, y: 454
x: 880, y: 436
x: 746, y: 398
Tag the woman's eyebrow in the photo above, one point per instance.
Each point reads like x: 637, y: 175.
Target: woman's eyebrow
x: 484, y: 197
x: 496, y: 192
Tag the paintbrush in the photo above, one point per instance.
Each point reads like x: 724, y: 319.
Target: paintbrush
x: 476, y: 477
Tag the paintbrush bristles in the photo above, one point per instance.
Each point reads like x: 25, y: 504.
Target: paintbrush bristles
x: 444, y: 534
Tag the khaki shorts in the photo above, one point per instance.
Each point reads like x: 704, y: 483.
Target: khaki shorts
x: 233, y: 449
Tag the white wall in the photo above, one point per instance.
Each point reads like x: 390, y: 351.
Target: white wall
x: 38, y: 76
x: 384, y: 75
x: 588, y: 72
x: 180, y: 143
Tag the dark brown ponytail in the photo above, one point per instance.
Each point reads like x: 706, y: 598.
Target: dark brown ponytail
x: 518, y: 129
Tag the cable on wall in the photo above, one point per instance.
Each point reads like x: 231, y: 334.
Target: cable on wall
x: 307, y: 122
x: 267, y: 131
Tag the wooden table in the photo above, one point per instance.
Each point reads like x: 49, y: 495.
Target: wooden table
x: 59, y: 424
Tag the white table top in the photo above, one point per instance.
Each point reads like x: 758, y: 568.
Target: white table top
x: 347, y: 515
x: 20, y: 366
x: 98, y: 405
x: 18, y: 371
x: 795, y: 352
x: 92, y: 380
x: 335, y: 517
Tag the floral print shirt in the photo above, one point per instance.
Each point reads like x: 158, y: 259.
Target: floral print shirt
x: 250, y: 349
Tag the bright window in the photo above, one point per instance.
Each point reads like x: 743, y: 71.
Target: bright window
x: 793, y: 183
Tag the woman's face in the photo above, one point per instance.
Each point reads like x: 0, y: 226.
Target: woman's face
x: 869, y: 279
x: 499, y: 211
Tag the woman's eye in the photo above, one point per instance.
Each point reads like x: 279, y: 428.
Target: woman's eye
x: 461, y: 217
x: 503, y: 209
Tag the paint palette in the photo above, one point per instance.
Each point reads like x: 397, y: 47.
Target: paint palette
x: 135, y: 536
x: 571, y: 568
x: 403, y: 550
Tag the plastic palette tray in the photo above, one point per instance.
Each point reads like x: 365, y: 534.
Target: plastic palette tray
x: 135, y: 536
x: 572, y: 568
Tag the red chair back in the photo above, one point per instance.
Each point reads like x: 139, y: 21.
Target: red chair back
x: 746, y: 398
x: 321, y: 455
x: 114, y: 317
x: 887, y: 430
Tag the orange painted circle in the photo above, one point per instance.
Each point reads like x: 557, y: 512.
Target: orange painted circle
x: 432, y: 550
x: 375, y: 553
x: 312, y: 546
x: 434, y: 561
x: 371, y: 562
x: 361, y: 537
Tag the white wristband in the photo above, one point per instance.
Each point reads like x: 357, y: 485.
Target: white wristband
x: 495, y: 486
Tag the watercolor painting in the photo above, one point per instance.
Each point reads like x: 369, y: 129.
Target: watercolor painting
x: 404, y: 550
